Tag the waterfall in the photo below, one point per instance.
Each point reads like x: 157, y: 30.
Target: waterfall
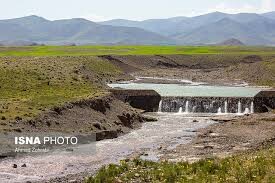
x: 247, y: 111
x: 252, y: 107
x: 180, y: 110
x: 187, y: 107
x: 220, y: 105
x: 220, y: 110
x: 239, y: 107
x: 160, y: 106
x: 194, y: 109
x: 225, y: 107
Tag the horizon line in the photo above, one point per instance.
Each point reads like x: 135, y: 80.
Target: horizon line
x: 136, y: 20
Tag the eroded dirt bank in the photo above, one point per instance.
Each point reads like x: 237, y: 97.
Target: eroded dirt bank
x: 108, y: 117
x: 227, y: 137
x: 230, y: 135
x: 105, y: 116
x: 100, y: 114
x: 214, y: 69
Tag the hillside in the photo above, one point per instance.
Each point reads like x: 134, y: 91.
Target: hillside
x: 78, y: 31
x: 259, y: 27
x: 211, y: 28
x: 231, y: 42
x: 29, y: 85
x: 219, y: 31
x: 161, y: 26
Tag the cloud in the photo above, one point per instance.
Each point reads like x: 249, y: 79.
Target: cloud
x: 231, y: 8
x: 94, y: 18
x: 226, y: 7
x: 267, y: 5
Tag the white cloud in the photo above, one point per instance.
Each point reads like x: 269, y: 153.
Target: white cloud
x: 230, y: 8
x: 226, y: 7
x: 267, y: 5
x: 94, y: 18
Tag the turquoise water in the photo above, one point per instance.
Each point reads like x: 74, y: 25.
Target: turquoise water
x: 168, y: 90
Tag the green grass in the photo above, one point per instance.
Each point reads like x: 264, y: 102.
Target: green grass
x: 253, y: 167
x: 129, y: 50
x: 29, y: 85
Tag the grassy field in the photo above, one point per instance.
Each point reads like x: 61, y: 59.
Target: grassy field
x: 129, y: 50
x: 33, y: 79
x: 29, y: 85
x: 253, y: 167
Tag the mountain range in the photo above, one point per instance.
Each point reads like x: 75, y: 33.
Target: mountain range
x: 212, y: 28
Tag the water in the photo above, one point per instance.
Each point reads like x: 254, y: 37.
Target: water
x: 187, y: 107
x: 220, y: 110
x: 180, y: 110
x: 225, y: 107
x: 169, y: 132
x: 160, y: 106
x: 246, y: 111
x: 168, y: 90
x: 239, y: 107
x: 252, y: 107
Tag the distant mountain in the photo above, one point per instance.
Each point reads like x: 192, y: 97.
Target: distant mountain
x: 79, y: 31
x: 270, y: 15
x: 18, y: 43
x: 231, y: 42
x: 165, y: 27
x: 211, y: 28
x: 215, y: 32
x: 181, y: 25
x: 248, y: 33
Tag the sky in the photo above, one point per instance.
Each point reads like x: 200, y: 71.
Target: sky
x: 101, y: 10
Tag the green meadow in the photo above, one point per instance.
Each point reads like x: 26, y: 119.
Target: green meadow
x: 36, y: 78
x: 30, y: 85
x: 129, y: 50
x: 251, y: 167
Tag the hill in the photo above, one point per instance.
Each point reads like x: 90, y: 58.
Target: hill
x: 201, y: 29
x: 270, y: 15
x: 226, y: 29
x: 79, y: 31
x: 231, y: 42
x: 211, y: 28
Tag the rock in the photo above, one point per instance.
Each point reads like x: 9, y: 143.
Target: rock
x: 208, y: 147
x: 222, y: 120
x: 17, y: 118
x: 137, y: 175
x: 214, y: 134
x: 18, y: 130
x: 191, y: 130
x: 69, y: 149
x: 72, y: 181
x: 24, y: 165
x: 149, y: 119
x: 14, y: 166
x: 48, y: 123
x: 97, y: 125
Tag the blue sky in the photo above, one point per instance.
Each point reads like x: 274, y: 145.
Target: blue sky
x: 99, y: 10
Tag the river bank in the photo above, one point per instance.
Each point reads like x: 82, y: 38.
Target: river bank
x: 223, y: 137
x: 64, y: 166
x: 229, y: 136
x: 110, y: 118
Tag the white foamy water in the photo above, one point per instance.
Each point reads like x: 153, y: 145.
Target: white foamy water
x: 171, y: 130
